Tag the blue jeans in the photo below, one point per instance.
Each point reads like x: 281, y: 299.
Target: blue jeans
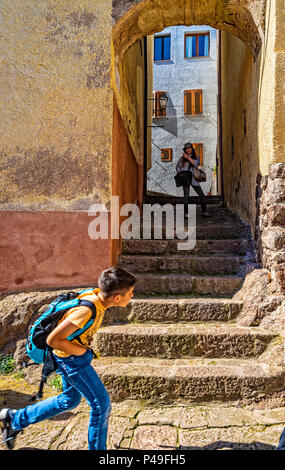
x: 78, y: 379
x: 281, y: 445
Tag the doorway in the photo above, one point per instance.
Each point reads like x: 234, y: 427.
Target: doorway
x: 184, y: 106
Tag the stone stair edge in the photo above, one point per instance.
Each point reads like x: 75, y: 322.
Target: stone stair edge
x: 225, y: 366
x: 200, y: 300
x: 186, y: 275
x: 181, y: 328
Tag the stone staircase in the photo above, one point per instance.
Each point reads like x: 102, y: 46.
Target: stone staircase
x: 178, y: 340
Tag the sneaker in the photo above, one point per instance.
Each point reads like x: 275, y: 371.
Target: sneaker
x: 206, y: 214
x: 8, y: 433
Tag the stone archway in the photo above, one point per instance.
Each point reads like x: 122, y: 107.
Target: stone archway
x: 135, y: 19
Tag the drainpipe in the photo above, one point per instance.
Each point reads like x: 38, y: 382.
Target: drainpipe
x: 220, y: 113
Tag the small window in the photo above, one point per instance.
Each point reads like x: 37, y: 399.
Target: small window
x: 199, y: 151
x: 197, y: 45
x: 166, y: 155
x: 157, y: 110
x: 193, y: 102
x: 161, y: 48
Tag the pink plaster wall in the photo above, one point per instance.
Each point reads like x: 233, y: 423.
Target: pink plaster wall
x: 47, y: 249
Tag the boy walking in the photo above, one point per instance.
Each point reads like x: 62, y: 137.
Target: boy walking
x: 73, y: 358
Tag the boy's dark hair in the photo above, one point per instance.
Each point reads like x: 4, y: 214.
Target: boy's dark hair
x: 115, y: 280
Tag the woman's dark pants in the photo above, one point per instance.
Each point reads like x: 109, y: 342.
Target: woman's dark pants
x: 199, y: 191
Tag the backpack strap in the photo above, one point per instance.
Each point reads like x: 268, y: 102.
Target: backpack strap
x: 77, y: 333
x: 49, y: 366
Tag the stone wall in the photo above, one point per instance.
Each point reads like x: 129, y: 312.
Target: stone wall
x: 272, y: 223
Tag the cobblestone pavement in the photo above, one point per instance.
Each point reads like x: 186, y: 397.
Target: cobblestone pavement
x: 138, y: 425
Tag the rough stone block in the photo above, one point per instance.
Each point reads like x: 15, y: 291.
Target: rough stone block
x: 276, y: 214
x: 277, y: 170
x: 273, y: 238
x: 275, y: 191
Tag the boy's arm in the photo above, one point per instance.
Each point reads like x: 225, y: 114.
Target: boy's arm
x: 57, y: 339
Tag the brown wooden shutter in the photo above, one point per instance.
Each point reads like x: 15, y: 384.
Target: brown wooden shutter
x: 193, y: 103
x: 187, y: 102
x: 198, y: 107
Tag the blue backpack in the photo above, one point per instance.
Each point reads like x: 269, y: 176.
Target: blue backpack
x: 36, y: 346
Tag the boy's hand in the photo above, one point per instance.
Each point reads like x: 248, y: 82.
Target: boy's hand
x: 57, y: 339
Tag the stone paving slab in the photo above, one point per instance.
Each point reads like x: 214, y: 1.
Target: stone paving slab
x: 137, y: 424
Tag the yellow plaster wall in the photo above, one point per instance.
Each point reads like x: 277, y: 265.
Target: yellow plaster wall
x: 239, y: 78
x: 279, y: 49
x: 266, y: 96
x: 252, y: 98
x: 128, y: 83
x: 56, y: 104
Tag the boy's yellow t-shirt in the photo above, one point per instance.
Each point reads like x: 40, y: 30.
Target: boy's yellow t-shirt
x: 79, y: 316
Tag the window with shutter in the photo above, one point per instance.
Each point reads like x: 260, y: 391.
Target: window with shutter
x: 199, y: 151
x: 157, y: 110
x: 193, y: 102
x: 166, y: 155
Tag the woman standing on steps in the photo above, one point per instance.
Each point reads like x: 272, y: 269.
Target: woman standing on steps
x: 186, y: 164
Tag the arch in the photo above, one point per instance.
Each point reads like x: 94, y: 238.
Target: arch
x: 135, y: 19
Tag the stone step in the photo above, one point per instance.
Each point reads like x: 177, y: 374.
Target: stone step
x: 169, y: 247
x: 214, y: 201
x: 217, y: 286
x: 176, y: 310
x: 215, y: 231
x: 182, y: 340
x: 182, y: 264
x: 166, y: 381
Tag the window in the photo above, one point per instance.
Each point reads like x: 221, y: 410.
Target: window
x: 161, y: 48
x: 166, y: 155
x: 199, y: 151
x: 197, y: 45
x: 157, y: 110
x: 193, y: 102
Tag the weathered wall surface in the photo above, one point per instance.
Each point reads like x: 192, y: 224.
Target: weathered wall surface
x: 56, y: 104
x: 55, y: 148
x: 279, y: 50
x: 45, y: 249
x: 127, y: 174
x: 240, y: 78
x: 128, y: 83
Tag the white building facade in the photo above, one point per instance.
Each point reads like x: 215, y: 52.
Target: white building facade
x: 185, y: 70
